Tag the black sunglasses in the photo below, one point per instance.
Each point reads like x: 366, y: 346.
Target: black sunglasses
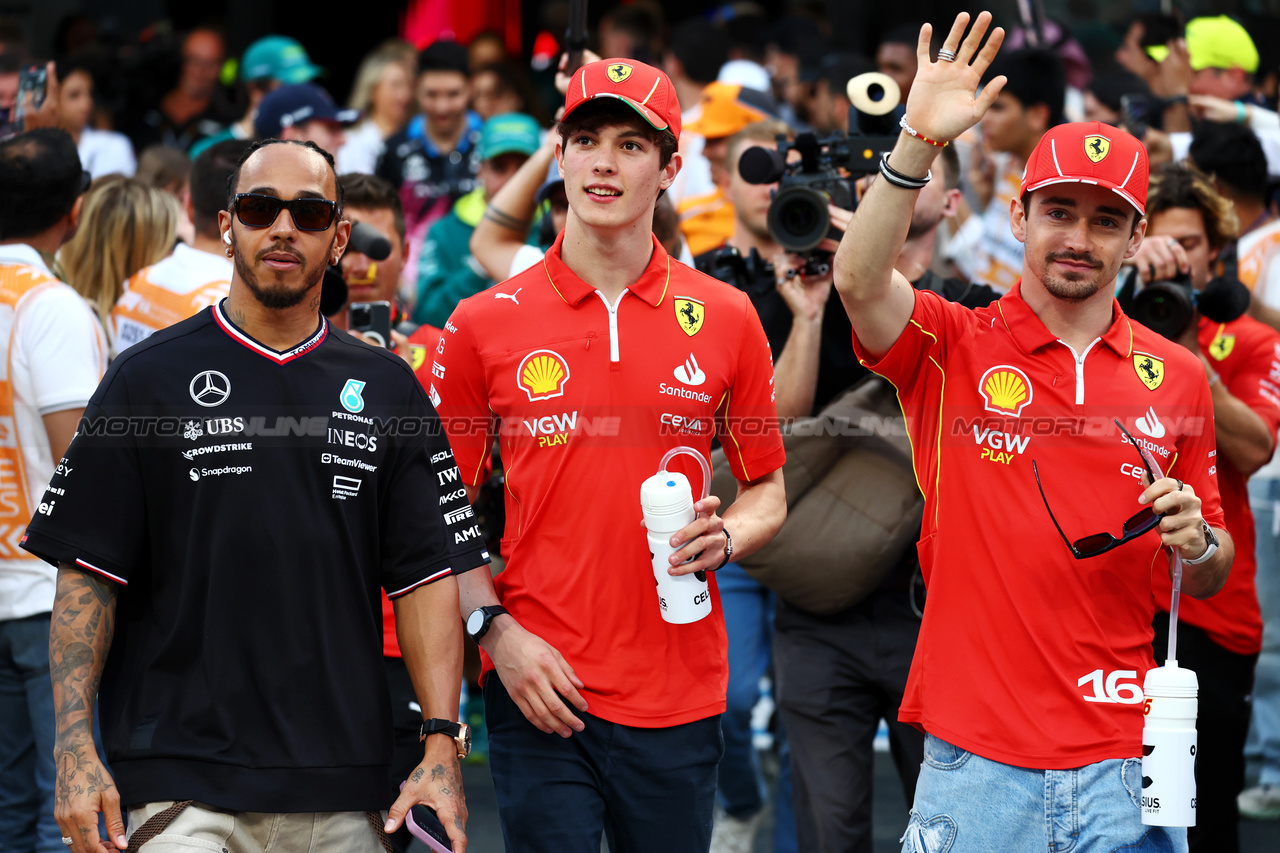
x: 1101, y: 543
x: 259, y: 211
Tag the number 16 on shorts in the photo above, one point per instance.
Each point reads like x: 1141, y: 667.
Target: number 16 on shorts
x: 1118, y: 686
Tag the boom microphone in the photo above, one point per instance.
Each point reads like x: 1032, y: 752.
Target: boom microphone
x: 762, y: 165
x: 1223, y: 300
x: 368, y: 240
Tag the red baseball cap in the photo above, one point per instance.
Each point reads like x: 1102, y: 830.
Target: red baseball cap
x: 1090, y: 152
x: 642, y: 87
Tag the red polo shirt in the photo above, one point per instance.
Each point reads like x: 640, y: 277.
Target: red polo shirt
x: 585, y: 399
x: 1026, y: 655
x: 1246, y: 355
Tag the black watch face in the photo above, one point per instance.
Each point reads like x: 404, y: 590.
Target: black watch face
x: 475, y: 622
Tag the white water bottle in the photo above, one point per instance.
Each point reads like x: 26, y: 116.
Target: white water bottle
x: 1169, y: 747
x: 667, y: 501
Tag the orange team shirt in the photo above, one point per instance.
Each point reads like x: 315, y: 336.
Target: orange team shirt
x: 1246, y: 355
x: 585, y: 400
x: 1027, y: 655
x: 1258, y: 251
x: 706, y: 221
x: 169, y: 291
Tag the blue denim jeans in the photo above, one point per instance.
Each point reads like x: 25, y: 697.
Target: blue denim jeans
x: 1264, y: 738
x: 26, y: 738
x: 969, y: 804
x: 748, y: 622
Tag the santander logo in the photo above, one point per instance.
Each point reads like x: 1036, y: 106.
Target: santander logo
x: 689, y: 373
x: 1150, y: 425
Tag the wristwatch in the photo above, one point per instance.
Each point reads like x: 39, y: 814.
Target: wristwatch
x: 481, y: 618
x: 1211, y: 540
x: 460, y: 732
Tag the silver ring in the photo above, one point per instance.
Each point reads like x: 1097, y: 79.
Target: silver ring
x: 947, y: 55
x: 68, y: 840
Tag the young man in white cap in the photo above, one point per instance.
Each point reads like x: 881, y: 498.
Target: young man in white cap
x: 603, y: 717
x: 1027, y: 676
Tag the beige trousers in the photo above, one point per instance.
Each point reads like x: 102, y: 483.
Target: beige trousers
x: 201, y: 827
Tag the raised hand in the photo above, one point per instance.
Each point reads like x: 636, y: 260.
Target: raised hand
x: 944, y: 102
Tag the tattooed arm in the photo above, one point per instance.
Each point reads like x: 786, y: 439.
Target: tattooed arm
x: 84, y: 613
x: 429, y: 628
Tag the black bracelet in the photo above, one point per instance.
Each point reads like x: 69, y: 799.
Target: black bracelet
x: 900, y: 180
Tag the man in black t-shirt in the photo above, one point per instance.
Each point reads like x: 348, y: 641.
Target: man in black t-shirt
x: 241, y: 485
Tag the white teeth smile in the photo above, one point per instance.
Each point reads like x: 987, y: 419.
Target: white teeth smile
x: 604, y: 192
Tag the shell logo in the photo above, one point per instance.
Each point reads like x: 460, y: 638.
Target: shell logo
x: 1007, y: 390
x: 543, y: 374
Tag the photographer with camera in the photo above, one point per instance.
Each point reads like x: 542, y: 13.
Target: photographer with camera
x: 1219, y: 638
x: 1019, y: 752
x: 862, y: 652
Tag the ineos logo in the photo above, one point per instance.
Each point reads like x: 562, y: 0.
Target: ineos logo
x: 210, y: 388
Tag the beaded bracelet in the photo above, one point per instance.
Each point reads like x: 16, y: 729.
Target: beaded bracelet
x: 902, y: 123
x: 901, y: 181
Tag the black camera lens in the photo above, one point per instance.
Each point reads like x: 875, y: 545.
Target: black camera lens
x: 1165, y: 307
x: 361, y: 317
x: 798, y: 218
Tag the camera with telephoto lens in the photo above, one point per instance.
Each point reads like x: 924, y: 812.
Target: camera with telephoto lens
x: 826, y: 169
x: 1169, y: 307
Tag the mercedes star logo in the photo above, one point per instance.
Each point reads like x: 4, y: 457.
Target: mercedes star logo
x: 210, y: 388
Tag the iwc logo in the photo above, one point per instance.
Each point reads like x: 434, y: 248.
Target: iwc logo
x: 350, y: 396
x: 1006, y: 390
x: 542, y: 375
x: 210, y: 388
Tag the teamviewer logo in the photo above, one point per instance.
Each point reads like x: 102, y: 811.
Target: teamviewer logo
x: 345, y: 487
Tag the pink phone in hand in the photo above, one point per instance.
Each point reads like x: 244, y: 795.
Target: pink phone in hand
x: 425, y: 826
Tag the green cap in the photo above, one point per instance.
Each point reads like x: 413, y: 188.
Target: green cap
x: 509, y: 133
x: 277, y: 58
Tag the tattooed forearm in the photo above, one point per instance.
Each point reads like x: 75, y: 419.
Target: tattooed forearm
x: 80, y: 636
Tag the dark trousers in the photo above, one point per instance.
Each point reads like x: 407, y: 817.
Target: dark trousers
x: 406, y: 718
x: 837, y: 677
x: 646, y: 790
x: 1222, y: 724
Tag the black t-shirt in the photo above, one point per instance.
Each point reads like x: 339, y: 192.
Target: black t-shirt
x: 250, y: 503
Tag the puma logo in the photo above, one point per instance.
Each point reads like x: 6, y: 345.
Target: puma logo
x: 511, y: 296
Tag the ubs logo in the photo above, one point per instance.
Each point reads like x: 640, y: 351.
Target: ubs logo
x: 210, y: 388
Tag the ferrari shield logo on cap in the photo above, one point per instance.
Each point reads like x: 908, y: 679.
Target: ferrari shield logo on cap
x: 1096, y: 148
x: 619, y: 71
x: 1149, y: 369
x: 689, y: 314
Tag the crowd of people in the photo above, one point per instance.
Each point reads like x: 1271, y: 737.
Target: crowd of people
x: 1048, y: 186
